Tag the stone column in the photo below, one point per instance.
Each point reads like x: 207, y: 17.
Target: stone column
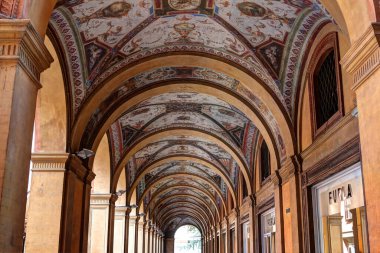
x: 119, y: 228
x: 169, y: 245
x: 131, y: 233
x: 99, y: 222
x: 252, y: 223
x: 149, y: 235
x: 278, y: 212
x: 291, y: 205
x: 362, y: 62
x: 126, y: 234
x: 23, y: 56
x: 111, y: 222
x: 145, y: 239
x: 227, y: 242
x: 76, y: 206
x: 45, y: 203
x: 151, y: 238
x: 139, y: 235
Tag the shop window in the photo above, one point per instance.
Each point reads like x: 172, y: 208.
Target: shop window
x: 224, y: 241
x: 339, y: 213
x: 246, y: 241
x: 264, y: 161
x: 325, y: 85
x: 232, y: 240
x: 268, y: 231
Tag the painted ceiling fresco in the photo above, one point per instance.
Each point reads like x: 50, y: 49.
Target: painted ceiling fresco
x: 263, y: 38
x: 101, y: 37
x: 183, y: 110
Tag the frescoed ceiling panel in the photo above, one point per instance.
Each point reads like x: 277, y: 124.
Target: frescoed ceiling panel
x: 253, y: 34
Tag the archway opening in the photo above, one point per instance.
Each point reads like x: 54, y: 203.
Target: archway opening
x: 187, y: 239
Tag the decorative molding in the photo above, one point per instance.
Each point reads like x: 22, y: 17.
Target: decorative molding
x: 100, y: 199
x: 266, y: 192
x: 45, y: 162
x: 21, y: 44
x: 318, y: 142
x: 343, y: 157
x: 290, y: 168
x: 363, y: 58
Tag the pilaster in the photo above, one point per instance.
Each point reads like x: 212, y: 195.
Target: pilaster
x: 23, y: 56
x: 45, y: 203
x: 362, y: 61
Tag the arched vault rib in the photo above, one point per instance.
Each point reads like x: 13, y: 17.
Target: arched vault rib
x: 279, y: 114
x: 168, y: 199
x: 185, y: 205
x: 158, y: 136
x: 194, y: 88
x: 165, y: 160
x: 207, y: 222
x: 163, y: 191
x: 183, y: 175
x: 202, y: 223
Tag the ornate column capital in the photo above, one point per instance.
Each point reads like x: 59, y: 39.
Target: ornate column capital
x: 21, y: 44
x: 74, y: 164
x: 363, y: 58
x: 44, y: 162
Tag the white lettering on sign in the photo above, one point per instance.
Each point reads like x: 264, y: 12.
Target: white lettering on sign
x: 340, y: 194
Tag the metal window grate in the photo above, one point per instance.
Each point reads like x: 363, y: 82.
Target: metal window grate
x: 325, y: 90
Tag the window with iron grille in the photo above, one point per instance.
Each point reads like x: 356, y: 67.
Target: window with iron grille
x: 264, y: 161
x: 325, y: 90
x: 326, y: 100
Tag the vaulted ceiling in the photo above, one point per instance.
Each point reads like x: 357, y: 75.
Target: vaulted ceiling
x: 172, y: 121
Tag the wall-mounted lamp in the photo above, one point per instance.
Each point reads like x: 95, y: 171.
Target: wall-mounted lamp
x: 120, y: 193
x: 134, y: 206
x: 85, y: 153
x: 141, y: 214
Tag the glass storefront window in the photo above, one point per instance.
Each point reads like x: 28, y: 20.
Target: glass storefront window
x: 268, y: 231
x: 339, y: 213
x: 246, y: 241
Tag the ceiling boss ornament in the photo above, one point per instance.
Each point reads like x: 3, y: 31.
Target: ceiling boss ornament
x: 182, y: 5
x: 175, y: 7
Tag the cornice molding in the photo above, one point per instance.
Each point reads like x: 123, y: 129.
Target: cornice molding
x: 100, y: 199
x: 21, y: 44
x: 266, y: 192
x: 49, y: 162
x: 363, y: 58
x: 290, y: 168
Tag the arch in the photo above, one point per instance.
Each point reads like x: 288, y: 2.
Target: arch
x: 184, y: 158
x: 184, y: 205
x: 191, y: 187
x: 193, y: 176
x: 167, y: 199
x: 190, y: 87
x: 184, y: 211
x: 202, y: 223
x: 274, y: 105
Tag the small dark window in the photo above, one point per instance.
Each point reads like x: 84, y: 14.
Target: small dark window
x: 245, y: 188
x: 326, y: 98
x: 325, y: 90
x: 264, y: 161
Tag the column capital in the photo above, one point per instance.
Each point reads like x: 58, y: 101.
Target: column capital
x: 45, y: 162
x: 74, y: 164
x: 363, y: 58
x: 100, y: 199
x: 21, y: 44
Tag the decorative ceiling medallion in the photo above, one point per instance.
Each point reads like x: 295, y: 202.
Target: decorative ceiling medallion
x: 184, y: 5
x: 174, y: 7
